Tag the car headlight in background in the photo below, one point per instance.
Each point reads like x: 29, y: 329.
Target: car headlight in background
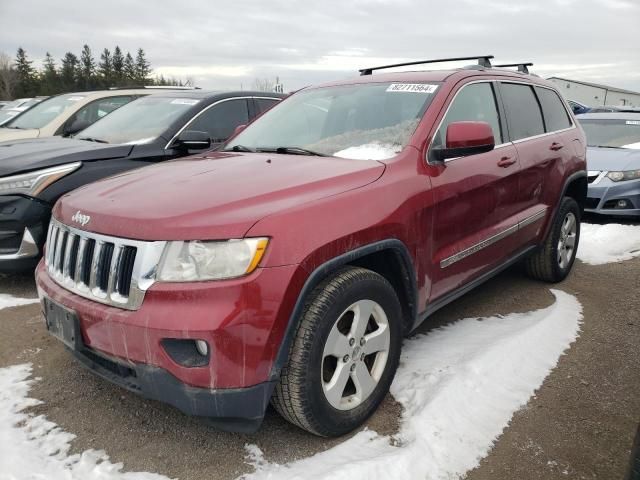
x: 34, y: 182
x: 215, y: 260
x: 626, y: 175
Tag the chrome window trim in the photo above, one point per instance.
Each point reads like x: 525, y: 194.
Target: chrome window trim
x: 520, y: 140
x: 446, y: 262
x: 192, y: 119
x: 148, y: 256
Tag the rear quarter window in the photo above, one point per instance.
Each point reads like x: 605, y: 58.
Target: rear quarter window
x: 555, y: 115
x: 523, y: 111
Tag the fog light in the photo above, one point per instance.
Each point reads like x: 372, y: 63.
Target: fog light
x: 621, y: 204
x: 202, y: 347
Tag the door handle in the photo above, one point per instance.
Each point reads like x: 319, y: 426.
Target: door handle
x: 505, y: 162
x: 555, y: 146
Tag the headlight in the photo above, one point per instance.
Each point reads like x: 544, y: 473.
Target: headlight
x: 195, y: 261
x: 626, y: 175
x: 33, y: 183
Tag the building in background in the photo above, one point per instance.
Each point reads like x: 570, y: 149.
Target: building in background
x: 593, y: 94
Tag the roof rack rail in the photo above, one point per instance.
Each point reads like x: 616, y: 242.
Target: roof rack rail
x: 483, y: 61
x: 154, y: 87
x: 522, y: 67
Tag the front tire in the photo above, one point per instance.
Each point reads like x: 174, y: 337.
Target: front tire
x: 553, y: 261
x: 344, y: 356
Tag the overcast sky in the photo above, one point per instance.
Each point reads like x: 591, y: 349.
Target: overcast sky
x: 229, y: 44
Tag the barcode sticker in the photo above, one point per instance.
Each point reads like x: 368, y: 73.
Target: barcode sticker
x: 412, y: 87
x: 185, y: 101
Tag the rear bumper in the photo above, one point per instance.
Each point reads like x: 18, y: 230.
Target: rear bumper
x: 23, y: 230
x: 603, y: 197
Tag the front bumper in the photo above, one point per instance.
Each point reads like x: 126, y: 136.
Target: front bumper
x: 603, y: 197
x: 23, y: 231
x: 243, y: 321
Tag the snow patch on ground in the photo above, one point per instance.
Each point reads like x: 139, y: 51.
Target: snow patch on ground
x: 459, y: 386
x: 370, y: 151
x: 34, y: 448
x: 608, y: 243
x: 7, y: 301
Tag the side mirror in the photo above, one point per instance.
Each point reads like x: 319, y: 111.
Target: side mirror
x: 466, y: 138
x: 238, y: 129
x: 193, y: 140
x: 75, y: 126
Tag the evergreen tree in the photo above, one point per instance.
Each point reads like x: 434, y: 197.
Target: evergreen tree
x: 105, y: 68
x: 27, y: 80
x: 87, y: 68
x: 129, y: 69
x: 142, y: 67
x: 117, y: 63
x: 68, y: 72
x: 49, y: 81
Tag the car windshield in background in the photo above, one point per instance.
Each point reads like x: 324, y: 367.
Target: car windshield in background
x: 7, y: 114
x: 140, y: 121
x: 372, y: 121
x: 612, y: 133
x: 43, y: 113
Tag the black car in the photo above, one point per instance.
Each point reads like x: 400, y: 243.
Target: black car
x: 35, y: 173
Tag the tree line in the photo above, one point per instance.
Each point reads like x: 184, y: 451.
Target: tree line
x: 19, y: 77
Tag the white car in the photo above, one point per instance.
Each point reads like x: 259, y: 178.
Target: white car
x: 66, y: 114
x: 7, y: 113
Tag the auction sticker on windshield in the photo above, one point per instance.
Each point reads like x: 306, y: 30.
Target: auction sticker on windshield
x: 412, y: 87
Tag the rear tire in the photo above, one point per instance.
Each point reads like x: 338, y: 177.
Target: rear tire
x: 344, y: 355
x: 552, y: 262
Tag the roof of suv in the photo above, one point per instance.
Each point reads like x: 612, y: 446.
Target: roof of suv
x: 439, y: 76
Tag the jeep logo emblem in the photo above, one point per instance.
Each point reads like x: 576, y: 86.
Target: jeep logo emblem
x: 81, y: 218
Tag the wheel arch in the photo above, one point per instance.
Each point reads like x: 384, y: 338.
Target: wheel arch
x: 390, y: 258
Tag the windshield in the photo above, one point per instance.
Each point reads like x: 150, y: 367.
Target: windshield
x: 372, y: 121
x: 612, y: 133
x: 5, y: 115
x: 44, y: 112
x: 141, y: 121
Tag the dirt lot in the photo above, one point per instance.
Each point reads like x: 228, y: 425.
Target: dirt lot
x: 580, y: 424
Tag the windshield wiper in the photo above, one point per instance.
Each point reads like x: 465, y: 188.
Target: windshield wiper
x: 603, y: 146
x: 292, y: 150
x: 238, y: 148
x: 90, y: 139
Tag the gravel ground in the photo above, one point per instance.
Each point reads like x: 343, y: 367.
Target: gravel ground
x: 580, y: 424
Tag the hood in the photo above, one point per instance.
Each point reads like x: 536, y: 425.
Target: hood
x: 613, y: 159
x: 25, y: 155
x: 7, y: 134
x: 219, y: 197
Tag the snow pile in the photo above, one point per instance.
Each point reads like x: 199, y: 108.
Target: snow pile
x: 459, y: 387
x: 34, y: 448
x: 7, y: 301
x: 609, y: 243
x: 370, y: 151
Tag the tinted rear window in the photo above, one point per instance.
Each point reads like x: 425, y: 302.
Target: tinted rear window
x: 555, y: 115
x: 523, y: 111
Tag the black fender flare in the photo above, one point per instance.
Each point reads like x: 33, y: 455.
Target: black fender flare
x: 326, y: 269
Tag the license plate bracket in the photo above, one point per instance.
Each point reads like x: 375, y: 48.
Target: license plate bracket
x: 63, y: 324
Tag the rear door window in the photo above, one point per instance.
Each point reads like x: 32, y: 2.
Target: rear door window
x: 555, y: 115
x: 222, y: 119
x: 523, y: 111
x: 474, y: 102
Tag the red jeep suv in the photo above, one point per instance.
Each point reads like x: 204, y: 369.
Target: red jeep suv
x: 287, y: 266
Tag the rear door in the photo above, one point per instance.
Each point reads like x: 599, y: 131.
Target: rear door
x: 475, y: 196
x: 541, y: 148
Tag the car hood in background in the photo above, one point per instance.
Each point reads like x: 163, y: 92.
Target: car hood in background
x: 220, y: 197
x: 26, y: 155
x: 613, y: 159
x: 7, y: 134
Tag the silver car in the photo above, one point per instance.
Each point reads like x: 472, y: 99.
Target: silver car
x: 613, y: 162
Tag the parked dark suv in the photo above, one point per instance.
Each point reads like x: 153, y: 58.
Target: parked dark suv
x: 163, y: 126
x: 287, y: 266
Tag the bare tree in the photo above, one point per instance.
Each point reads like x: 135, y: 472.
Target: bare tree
x: 8, y: 77
x: 263, y: 85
